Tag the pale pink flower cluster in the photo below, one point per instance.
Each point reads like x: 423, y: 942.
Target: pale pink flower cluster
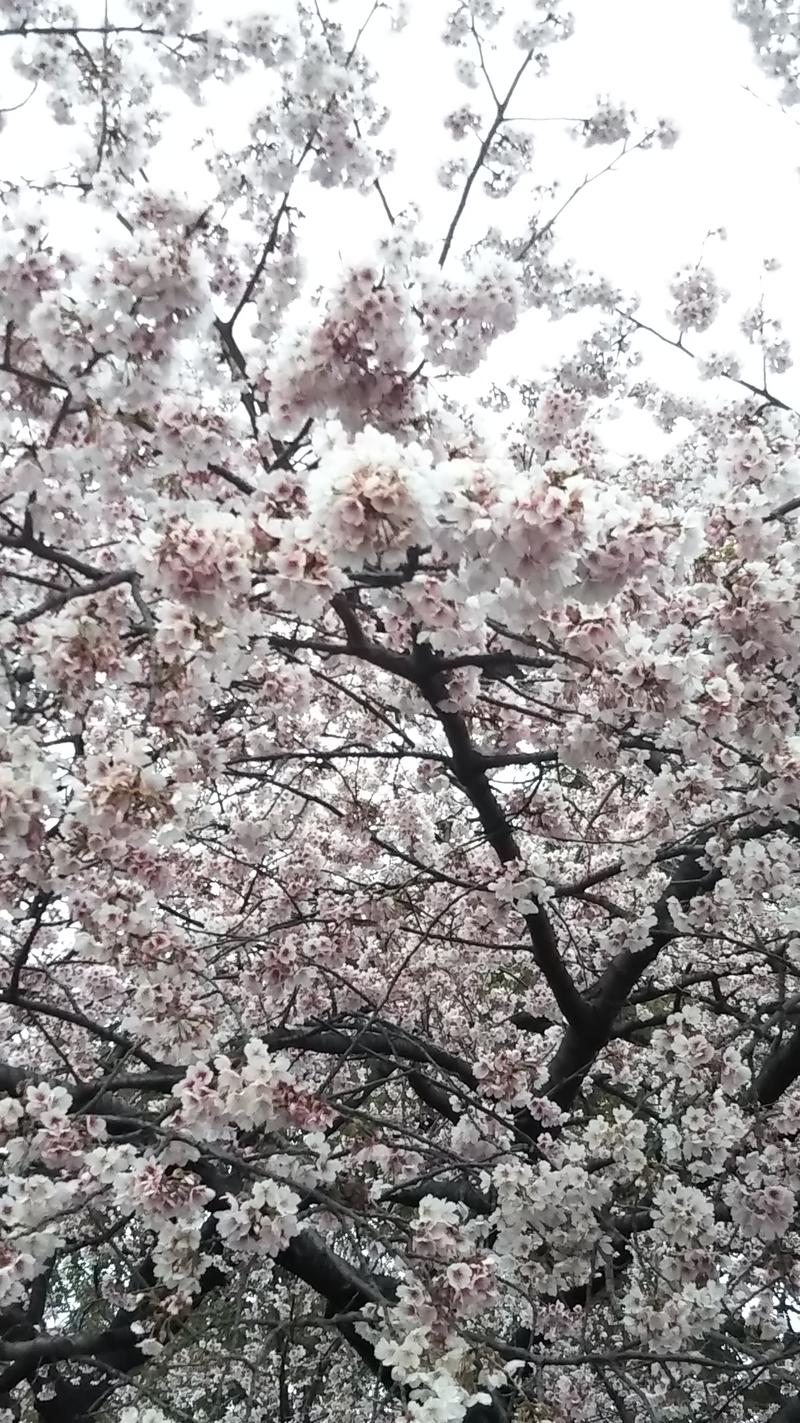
x: 202, y: 559
x: 775, y: 39
x: 27, y: 796
x: 140, y: 282
x: 684, y: 1054
x: 593, y: 635
x: 29, y: 266
x: 557, y: 1206
x: 34, y: 1210
x: 166, y: 1011
x: 686, y: 1315
x: 683, y: 1215
x: 47, y: 1104
x: 747, y: 458
x: 666, y: 133
x: 463, y: 687
x: 471, y: 492
x: 557, y: 413
x: 542, y: 528
x: 621, y: 1139
x: 177, y: 15
x: 330, y: 94
x: 640, y: 542
x: 277, y: 973
x: 269, y: 36
x: 528, y: 528
x: 370, y: 500
x: 120, y: 788
x: 423, y: 1354
x: 762, y: 1212
x: 191, y: 432
x: 766, y: 332
x: 178, y: 1261
x: 462, y: 315
x: 451, y: 174
x: 434, y: 604
x: 356, y: 364
x: 62, y: 1140
x: 468, y: 1286
x: 302, y: 576
x: 156, y: 947
x: 549, y: 24
x: 610, y: 123
x: 437, y: 1233
x: 262, y: 1223
x: 462, y: 121
x: 17, y: 1269
x: 263, y: 1092
x: 651, y: 676
x: 697, y: 297
x: 524, y: 891
x: 464, y: 14
x: 505, y: 1076
x: 161, y: 1192
x: 786, y: 1113
x: 719, y: 363
x: 79, y: 647
x: 142, y: 1413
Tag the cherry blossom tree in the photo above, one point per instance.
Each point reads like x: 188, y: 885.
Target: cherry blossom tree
x: 399, y: 791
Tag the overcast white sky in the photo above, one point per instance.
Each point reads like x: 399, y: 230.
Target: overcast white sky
x: 736, y: 164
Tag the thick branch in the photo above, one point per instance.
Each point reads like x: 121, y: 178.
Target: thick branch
x: 579, y: 1049
x: 780, y: 1070
x: 469, y: 768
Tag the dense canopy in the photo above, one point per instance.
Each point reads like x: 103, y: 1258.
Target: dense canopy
x: 399, y: 788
